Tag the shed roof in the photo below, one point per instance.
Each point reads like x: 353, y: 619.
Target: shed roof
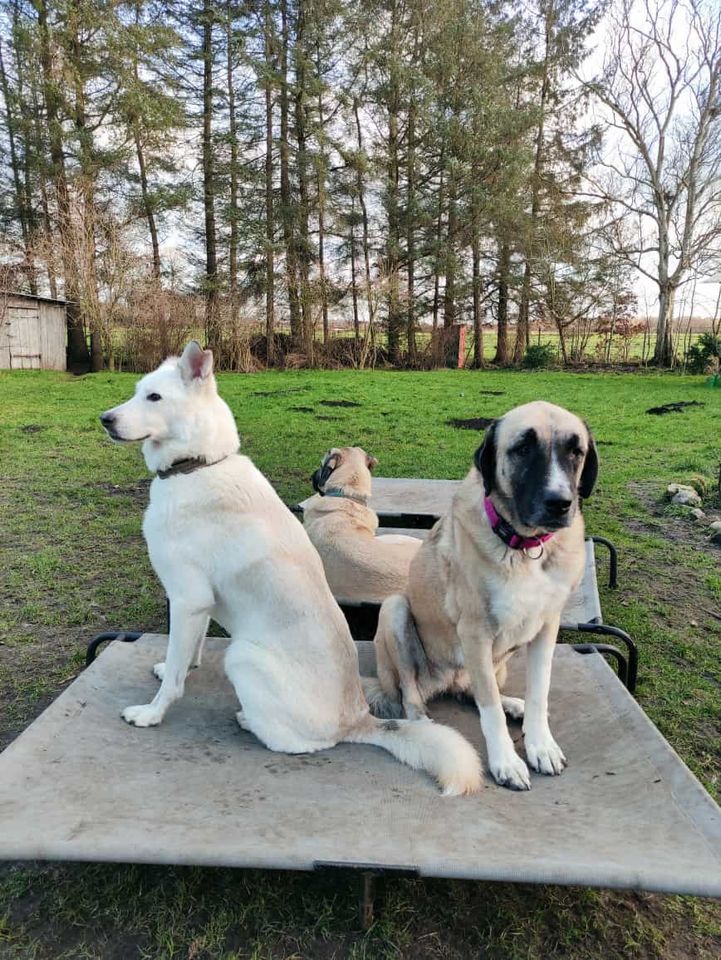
x: 31, y: 296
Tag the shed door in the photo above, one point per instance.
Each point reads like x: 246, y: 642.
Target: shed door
x: 4, y: 339
x: 25, y: 349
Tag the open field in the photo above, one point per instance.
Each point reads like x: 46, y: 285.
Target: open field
x: 72, y: 563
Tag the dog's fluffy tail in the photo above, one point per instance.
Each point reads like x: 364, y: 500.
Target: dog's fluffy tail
x: 441, y: 751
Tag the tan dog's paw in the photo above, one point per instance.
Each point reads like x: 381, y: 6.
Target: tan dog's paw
x: 513, y: 707
x: 510, y: 770
x: 545, y: 756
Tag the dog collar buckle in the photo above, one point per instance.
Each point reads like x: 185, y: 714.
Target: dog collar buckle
x: 533, y: 544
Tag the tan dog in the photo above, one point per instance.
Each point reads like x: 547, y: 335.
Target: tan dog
x: 493, y: 576
x: 342, y: 527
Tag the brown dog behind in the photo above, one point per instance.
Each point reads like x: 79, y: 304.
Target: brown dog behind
x: 342, y: 527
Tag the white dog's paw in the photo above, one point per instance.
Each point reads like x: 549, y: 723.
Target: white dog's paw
x: 513, y: 707
x: 159, y: 670
x: 144, y: 715
x: 509, y: 770
x: 544, y: 755
x: 242, y: 721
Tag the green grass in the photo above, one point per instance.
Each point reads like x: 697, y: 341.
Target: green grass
x: 72, y: 562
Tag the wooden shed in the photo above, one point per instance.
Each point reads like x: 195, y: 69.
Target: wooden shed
x: 32, y: 332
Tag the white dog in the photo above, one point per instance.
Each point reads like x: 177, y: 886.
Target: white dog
x: 225, y: 546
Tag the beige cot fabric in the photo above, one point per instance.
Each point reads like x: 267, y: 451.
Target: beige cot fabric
x: 79, y: 784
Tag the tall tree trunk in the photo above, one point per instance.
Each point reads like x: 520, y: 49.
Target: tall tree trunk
x: 85, y: 233
x: 212, y: 311
x: 522, y: 326
x: 436, y: 258
x: 663, y: 355
x: 321, y: 189
x: 41, y: 162
x: 286, y: 200
x: 142, y: 167
x: 410, y: 229
x: 269, y: 216
x: 78, y: 355
x: 147, y: 203
x: 301, y: 133
x: 449, y: 299
x: 233, y: 199
x: 478, y: 360
x: 395, y: 319
x: 21, y: 195
x: 360, y: 187
x: 504, y: 269
x: 26, y: 77
x: 353, y: 280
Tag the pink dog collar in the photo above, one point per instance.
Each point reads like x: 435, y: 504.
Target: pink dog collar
x: 503, y: 529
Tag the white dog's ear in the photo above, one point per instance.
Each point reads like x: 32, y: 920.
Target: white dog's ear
x: 196, y: 363
x: 371, y: 461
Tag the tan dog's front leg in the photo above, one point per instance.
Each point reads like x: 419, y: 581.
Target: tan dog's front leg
x: 543, y: 753
x: 507, y: 768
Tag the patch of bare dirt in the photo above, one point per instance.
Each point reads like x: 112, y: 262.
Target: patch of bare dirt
x: 677, y: 529
x: 138, y: 490
x: 471, y: 423
x: 677, y: 407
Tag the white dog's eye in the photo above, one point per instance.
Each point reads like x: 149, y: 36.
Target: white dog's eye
x: 153, y: 397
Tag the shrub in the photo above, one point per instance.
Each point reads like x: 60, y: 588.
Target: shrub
x: 704, y: 353
x: 539, y: 356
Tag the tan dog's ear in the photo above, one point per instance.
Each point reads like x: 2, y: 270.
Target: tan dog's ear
x: 371, y: 461
x: 589, y: 473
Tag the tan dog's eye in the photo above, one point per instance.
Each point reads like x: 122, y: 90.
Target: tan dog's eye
x: 521, y: 448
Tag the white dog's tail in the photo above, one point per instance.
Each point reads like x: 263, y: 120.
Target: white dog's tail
x: 441, y: 751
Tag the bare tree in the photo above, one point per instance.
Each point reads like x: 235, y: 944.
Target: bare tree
x: 661, y: 87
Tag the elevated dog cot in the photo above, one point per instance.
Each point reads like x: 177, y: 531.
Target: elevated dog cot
x: 413, y: 506
x: 81, y: 785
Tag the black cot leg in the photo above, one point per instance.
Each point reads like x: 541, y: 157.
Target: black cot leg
x: 612, y: 560
x: 369, y: 875
x: 126, y: 636
x: 607, y: 649
x: 605, y: 630
x: 367, y: 903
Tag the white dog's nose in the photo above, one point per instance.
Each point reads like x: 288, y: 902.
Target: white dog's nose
x: 107, y: 419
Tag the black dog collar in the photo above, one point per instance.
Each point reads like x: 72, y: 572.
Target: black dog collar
x: 338, y: 492
x: 189, y: 465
